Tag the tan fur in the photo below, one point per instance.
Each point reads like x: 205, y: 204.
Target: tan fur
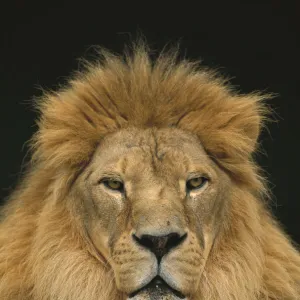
x: 44, y: 251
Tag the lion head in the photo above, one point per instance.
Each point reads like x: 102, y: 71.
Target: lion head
x: 143, y: 186
x: 153, y: 208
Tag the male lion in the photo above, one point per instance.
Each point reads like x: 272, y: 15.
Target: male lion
x: 142, y: 185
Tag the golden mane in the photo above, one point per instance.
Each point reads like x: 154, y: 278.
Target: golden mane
x: 43, y: 253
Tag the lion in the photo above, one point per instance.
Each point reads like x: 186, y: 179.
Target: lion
x: 143, y: 185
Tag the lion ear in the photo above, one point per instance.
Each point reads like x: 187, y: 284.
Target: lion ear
x: 237, y: 127
x: 229, y: 128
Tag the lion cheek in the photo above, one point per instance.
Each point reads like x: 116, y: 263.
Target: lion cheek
x: 100, y: 241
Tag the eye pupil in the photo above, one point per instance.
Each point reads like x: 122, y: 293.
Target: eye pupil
x: 196, y: 181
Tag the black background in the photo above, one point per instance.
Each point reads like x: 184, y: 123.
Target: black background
x: 254, y: 43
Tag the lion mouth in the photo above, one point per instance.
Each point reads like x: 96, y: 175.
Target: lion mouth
x: 156, y: 289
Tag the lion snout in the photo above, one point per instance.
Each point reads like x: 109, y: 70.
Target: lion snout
x: 167, y: 256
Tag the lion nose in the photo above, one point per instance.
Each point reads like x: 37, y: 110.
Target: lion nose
x: 160, y: 245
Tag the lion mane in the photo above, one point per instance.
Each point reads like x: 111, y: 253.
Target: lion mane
x: 43, y: 251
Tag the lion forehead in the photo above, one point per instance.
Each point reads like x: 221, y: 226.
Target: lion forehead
x: 172, y: 150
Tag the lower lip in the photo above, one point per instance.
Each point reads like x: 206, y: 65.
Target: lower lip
x: 158, y: 288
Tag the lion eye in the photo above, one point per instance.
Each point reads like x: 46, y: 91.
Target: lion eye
x: 114, y: 185
x: 196, y: 183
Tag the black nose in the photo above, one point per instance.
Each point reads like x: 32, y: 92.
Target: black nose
x: 160, y: 245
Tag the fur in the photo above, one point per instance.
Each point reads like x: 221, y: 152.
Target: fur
x: 43, y: 252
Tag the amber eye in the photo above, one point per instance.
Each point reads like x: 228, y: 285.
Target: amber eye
x: 196, y: 183
x: 113, y: 184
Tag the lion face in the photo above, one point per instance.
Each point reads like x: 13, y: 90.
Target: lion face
x: 153, y: 204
